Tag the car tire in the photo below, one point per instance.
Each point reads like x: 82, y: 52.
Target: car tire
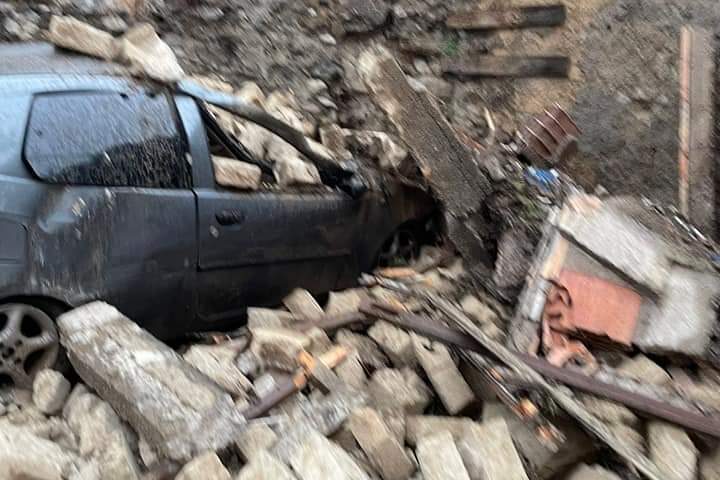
x: 29, y: 342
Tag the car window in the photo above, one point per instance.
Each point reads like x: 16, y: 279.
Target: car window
x: 109, y: 139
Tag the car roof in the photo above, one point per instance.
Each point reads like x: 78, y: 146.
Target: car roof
x: 45, y: 58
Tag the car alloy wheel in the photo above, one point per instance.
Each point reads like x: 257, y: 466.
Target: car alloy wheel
x: 28, y: 343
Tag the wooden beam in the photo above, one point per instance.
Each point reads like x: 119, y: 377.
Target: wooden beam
x: 521, y: 17
x: 508, y: 66
x: 696, y: 160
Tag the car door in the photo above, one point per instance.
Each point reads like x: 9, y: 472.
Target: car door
x: 116, y: 219
x: 254, y: 247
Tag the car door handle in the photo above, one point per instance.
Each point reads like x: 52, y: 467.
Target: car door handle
x: 230, y: 217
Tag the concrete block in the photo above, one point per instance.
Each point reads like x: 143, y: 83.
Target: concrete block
x: 419, y: 426
x: 236, y: 174
x: 685, y: 316
x: 439, y: 458
x: 26, y: 456
x: 672, y: 451
x: 347, y: 301
x: 265, y: 467
x: 488, y: 452
x: 50, y: 389
x: 454, y: 392
x: 370, y: 354
x: 177, y: 409
x: 321, y: 458
x: 383, y: 450
x: 303, y: 305
x: 71, y: 33
x: 218, y: 363
x: 257, y: 437
x: 395, y: 342
x: 205, y: 467
x: 399, y: 388
x: 266, y: 317
x: 279, y: 347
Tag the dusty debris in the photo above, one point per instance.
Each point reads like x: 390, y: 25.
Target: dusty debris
x: 175, y: 408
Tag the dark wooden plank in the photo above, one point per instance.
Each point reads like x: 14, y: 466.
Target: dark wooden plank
x: 508, y: 66
x: 696, y: 156
x: 521, y: 17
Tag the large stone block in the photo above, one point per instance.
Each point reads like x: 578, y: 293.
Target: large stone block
x: 395, y: 342
x: 236, y: 174
x: 71, y: 33
x: 383, y: 450
x: 439, y: 458
x: 399, y: 388
x: 672, y: 451
x: 321, y: 458
x: 177, y: 409
x: 218, y: 363
x: 265, y: 467
x: 488, y: 452
x: 50, y: 389
x: 205, y: 467
x: 419, y: 426
x: 25, y: 456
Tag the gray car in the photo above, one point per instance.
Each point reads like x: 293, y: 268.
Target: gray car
x: 107, y: 191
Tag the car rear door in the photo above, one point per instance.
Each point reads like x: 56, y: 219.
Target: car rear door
x: 254, y: 247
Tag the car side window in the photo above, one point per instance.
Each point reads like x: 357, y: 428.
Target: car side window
x: 108, y: 139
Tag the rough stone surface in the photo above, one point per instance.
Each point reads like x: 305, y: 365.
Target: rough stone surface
x: 303, y: 305
x: 265, y: 467
x: 685, y: 318
x: 279, y: 347
x: 347, y: 301
x: 205, y: 467
x: 672, y: 451
x: 383, y: 450
x: 147, y: 54
x: 395, y: 342
x: 439, y: 458
x: 351, y: 371
x: 322, y: 458
x: 257, y: 437
x: 595, y: 472
x: 218, y: 363
x: 478, y: 310
x: 266, y: 317
x: 399, y: 388
x: 236, y: 174
x: 370, y: 354
x: 488, y: 452
x: 25, y: 456
x: 73, y: 34
x: 448, y: 383
x: 50, y: 389
x: 173, y: 406
x: 420, y: 426
x: 291, y: 171
x: 642, y: 369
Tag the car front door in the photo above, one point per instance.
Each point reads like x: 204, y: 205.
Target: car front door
x: 254, y: 247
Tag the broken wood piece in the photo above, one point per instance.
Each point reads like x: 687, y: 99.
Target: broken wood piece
x: 520, y: 17
x: 696, y: 155
x: 508, y: 66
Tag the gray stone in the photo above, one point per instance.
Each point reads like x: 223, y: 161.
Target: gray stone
x: 177, y: 409
x: 362, y: 16
x: 89, y: 470
x: 25, y: 456
x: 383, y: 450
x: 279, y: 347
x: 321, y: 458
x: 617, y: 241
x: 292, y: 171
x: 596, y: 472
x: 478, y: 310
x: 205, y: 467
x: 395, y: 342
x: 449, y: 384
x: 370, y: 354
x: 325, y: 416
x: 147, y: 54
x: 50, y: 389
x: 266, y: 317
x: 347, y: 301
x: 419, y: 426
x: 257, y: 437
x: 439, y: 458
x: 218, y: 363
x: 71, y: 33
x: 395, y: 388
x: 644, y: 370
x: 236, y: 174
x: 268, y: 381
x: 265, y: 467
x: 488, y: 452
x: 303, y: 305
x: 685, y: 317
x: 351, y: 371
x: 609, y: 411
x: 114, y: 23
x: 672, y: 451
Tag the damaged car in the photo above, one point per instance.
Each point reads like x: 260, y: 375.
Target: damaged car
x: 108, y: 192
